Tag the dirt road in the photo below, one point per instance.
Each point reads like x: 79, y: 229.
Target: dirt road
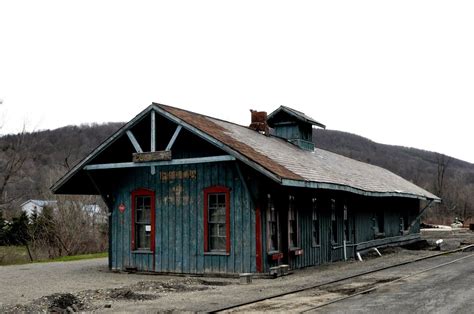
x: 23, y: 283
x: 89, y: 285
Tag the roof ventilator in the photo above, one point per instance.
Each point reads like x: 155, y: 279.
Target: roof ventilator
x: 294, y: 126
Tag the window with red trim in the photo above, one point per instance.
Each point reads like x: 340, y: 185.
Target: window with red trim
x: 217, y: 219
x: 273, y: 229
x: 143, y: 213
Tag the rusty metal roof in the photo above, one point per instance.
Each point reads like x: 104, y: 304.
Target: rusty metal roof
x: 298, y: 167
x: 272, y: 156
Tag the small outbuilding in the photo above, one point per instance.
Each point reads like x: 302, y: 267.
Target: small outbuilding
x: 188, y: 193
x: 31, y: 206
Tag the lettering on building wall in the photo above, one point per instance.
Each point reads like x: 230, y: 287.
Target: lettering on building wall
x: 166, y: 176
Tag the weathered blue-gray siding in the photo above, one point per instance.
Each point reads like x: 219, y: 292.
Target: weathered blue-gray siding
x: 179, y: 221
x: 361, y: 223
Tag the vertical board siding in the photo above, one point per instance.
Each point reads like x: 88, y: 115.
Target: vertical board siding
x: 361, y: 213
x: 179, y: 222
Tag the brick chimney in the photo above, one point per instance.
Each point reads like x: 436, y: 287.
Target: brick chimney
x: 259, y: 122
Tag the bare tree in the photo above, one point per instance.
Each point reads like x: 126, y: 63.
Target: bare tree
x: 442, y: 162
x: 13, y: 154
x: 69, y: 228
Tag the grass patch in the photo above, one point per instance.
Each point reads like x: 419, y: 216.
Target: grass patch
x: 14, y: 255
x: 11, y: 255
x: 75, y: 257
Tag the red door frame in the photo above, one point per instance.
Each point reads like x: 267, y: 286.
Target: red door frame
x: 258, y: 238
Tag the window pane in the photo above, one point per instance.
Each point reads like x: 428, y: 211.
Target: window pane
x: 315, y: 232
x: 334, y: 231
x: 142, y: 222
x: 217, y: 243
x: 272, y: 230
x: 142, y: 237
x: 274, y: 241
x: 212, y: 200
x: 217, y: 221
x: 141, y: 216
x: 292, y: 223
x: 213, y: 230
x: 221, y: 200
x: 146, y: 202
x: 139, y: 202
x: 217, y: 214
x: 293, y: 234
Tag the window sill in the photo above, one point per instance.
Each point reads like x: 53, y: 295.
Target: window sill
x: 273, y: 252
x: 142, y: 252
x: 379, y: 235
x: 316, y: 245
x: 294, y: 249
x: 217, y: 253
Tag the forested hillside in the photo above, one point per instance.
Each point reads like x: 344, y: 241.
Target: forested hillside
x: 451, y: 179
x: 30, y: 163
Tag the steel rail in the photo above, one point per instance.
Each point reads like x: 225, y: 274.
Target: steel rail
x: 385, y: 284
x: 274, y: 296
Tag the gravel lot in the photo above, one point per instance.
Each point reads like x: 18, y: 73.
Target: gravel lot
x: 88, y: 285
x: 23, y: 283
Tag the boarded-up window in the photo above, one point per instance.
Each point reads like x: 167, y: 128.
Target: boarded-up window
x: 272, y: 226
x: 314, y: 223
x: 217, y: 219
x: 292, y: 223
x: 333, y: 221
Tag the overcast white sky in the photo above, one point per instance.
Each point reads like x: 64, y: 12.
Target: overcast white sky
x: 397, y: 72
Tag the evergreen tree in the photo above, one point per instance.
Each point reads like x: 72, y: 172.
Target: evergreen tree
x: 18, y: 232
x: 3, y: 229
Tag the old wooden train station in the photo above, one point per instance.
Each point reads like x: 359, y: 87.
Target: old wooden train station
x: 188, y: 193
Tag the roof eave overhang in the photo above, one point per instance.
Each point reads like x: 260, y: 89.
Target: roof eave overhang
x: 346, y: 188
x: 80, y: 165
x: 218, y: 144
x: 285, y: 182
x: 154, y: 106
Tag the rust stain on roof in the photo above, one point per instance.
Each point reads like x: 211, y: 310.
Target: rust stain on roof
x: 216, y: 131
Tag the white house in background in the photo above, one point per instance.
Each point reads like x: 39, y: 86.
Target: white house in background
x: 95, y: 211
x: 31, y: 205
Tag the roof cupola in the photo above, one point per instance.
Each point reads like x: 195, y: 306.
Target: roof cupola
x: 294, y: 126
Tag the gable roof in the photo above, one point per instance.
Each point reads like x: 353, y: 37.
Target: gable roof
x: 278, y: 159
x: 295, y: 114
x: 297, y: 167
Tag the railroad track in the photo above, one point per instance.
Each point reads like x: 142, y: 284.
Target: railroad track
x: 319, y: 295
